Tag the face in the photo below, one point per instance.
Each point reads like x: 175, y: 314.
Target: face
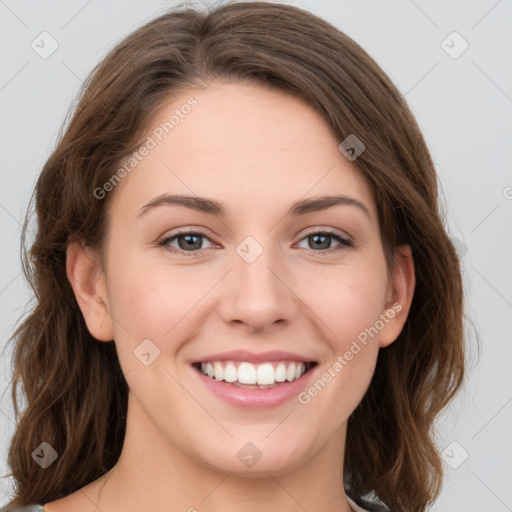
x: 280, y: 298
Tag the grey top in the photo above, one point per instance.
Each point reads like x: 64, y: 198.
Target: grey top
x: 29, y: 508
x: 39, y: 508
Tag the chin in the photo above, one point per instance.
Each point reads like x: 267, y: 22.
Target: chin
x: 255, y: 459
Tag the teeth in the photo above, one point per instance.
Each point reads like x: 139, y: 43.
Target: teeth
x: 280, y: 373
x: 290, y: 372
x: 246, y: 373
x: 219, y: 371
x: 230, y: 373
x: 266, y: 374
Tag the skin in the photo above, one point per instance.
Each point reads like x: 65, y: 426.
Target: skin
x: 256, y: 151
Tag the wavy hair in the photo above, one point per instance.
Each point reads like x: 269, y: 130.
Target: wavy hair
x: 75, y: 391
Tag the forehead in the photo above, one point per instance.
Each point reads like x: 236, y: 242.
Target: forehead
x: 244, y: 144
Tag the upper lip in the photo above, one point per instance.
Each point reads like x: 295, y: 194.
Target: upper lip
x: 252, y: 357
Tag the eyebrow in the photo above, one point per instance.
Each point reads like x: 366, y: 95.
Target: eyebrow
x: 203, y: 204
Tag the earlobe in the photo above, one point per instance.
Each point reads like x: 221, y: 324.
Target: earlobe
x: 399, y: 296
x: 84, y: 272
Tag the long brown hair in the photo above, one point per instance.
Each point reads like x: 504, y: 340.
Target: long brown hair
x: 76, y: 394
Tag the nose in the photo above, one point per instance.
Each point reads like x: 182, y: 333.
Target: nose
x: 259, y: 294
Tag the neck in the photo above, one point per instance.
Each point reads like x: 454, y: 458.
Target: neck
x: 153, y: 474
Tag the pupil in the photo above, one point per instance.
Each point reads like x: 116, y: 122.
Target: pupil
x: 189, y: 243
x: 324, y: 237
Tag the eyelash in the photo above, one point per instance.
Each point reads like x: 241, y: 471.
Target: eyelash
x: 344, y: 242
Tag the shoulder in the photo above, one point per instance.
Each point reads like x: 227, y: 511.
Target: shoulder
x: 360, y: 505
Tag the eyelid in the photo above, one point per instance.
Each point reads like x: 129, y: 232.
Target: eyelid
x: 163, y: 240
x: 328, y: 231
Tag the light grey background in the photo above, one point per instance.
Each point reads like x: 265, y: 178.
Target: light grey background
x: 463, y: 105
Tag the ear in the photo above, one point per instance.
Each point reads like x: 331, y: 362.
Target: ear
x: 399, y: 296
x: 86, y: 276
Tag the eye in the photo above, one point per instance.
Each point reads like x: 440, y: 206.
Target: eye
x: 191, y: 242
x: 320, y: 241
x: 187, y: 241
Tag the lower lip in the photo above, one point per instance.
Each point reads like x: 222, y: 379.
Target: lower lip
x: 247, y: 398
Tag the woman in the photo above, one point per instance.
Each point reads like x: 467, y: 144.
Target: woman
x: 245, y: 293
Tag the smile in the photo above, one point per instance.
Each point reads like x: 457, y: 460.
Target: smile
x: 256, y: 376
x: 269, y: 381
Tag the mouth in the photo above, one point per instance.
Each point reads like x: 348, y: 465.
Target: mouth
x: 255, y: 380
x: 264, y: 375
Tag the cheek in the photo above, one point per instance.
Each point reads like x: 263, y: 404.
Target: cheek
x: 158, y: 302
x: 348, y: 300
x: 149, y: 299
x: 350, y: 312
